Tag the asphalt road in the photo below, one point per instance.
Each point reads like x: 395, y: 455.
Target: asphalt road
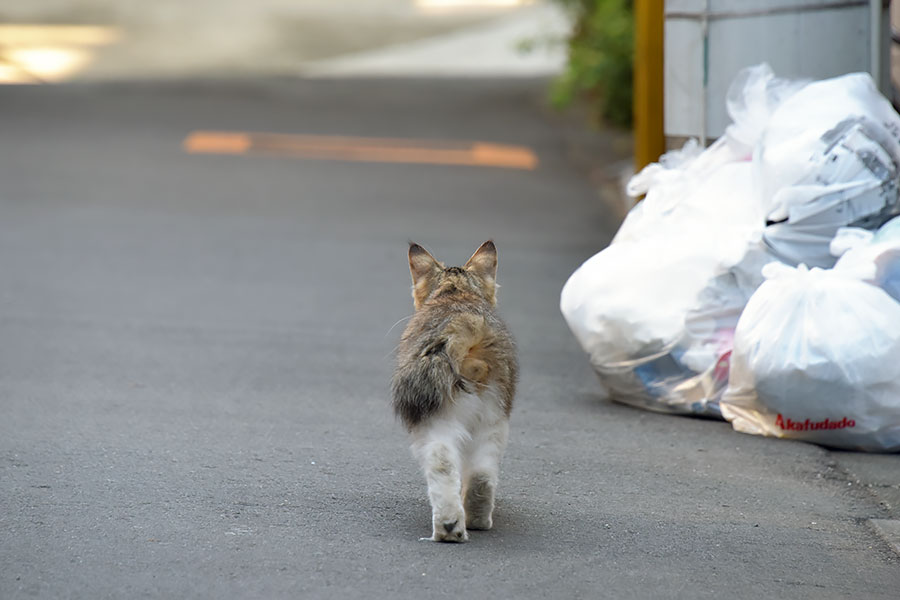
x: 196, y: 352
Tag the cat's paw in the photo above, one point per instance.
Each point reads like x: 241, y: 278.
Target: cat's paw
x: 479, y: 503
x: 483, y: 522
x: 447, y: 530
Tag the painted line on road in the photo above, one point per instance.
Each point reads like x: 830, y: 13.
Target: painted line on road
x: 386, y: 150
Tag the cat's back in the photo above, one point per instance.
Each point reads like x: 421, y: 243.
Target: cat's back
x: 476, y: 320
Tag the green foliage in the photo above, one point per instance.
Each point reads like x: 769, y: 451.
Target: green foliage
x: 601, y: 58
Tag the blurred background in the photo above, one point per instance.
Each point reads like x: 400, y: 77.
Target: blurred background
x: 52, y: 40
x: 687, y: 50
x: 681, y: 55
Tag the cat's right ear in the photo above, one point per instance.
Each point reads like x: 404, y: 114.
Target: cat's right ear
x: 424, y: 268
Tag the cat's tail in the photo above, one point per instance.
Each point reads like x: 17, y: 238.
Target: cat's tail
x: 423, y: 385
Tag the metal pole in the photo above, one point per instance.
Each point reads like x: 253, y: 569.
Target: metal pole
x: 649, y: 139
x: 704, y: 90
x: 875, y: 41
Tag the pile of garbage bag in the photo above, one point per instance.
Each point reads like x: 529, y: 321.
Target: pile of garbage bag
x: 759, y: 279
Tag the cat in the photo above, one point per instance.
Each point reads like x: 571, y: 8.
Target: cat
x: 453, y: 387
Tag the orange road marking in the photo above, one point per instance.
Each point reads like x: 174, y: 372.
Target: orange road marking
x: 217, y: 143
x: 480, y: 154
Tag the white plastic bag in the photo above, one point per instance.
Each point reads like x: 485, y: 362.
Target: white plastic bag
x: 656, y: 310
x: 828, y: 159
x: 817, y: 358
x: 750, y: 101
x: 889, y: 232
x: 878, y: 252
x: 677, y: 187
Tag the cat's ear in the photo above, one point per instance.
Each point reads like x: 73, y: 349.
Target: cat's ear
x: 484, y: 264
x: 484, y: 261
x: 423, y: 268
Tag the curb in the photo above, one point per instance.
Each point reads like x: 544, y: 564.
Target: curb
x: 889, y: 531
x: 876, y: 474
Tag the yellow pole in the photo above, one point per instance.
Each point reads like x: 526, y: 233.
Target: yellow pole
x: 649, y: 139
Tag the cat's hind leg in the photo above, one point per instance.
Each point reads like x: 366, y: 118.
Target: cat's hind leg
x: 437, y: 449
x: 483, y: 473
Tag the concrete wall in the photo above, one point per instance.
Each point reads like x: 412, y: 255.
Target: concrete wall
x: 798, y: 38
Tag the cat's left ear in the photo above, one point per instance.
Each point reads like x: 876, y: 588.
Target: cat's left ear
x: 484, y: 264
x: 424, y: 270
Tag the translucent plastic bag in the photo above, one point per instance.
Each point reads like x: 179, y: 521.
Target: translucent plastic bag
x: 656, y: 309
x: 677, y: 188
x: 828, y: 159
x: 879, y: 252
x: 752, y: 97
x: 817, y: 358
